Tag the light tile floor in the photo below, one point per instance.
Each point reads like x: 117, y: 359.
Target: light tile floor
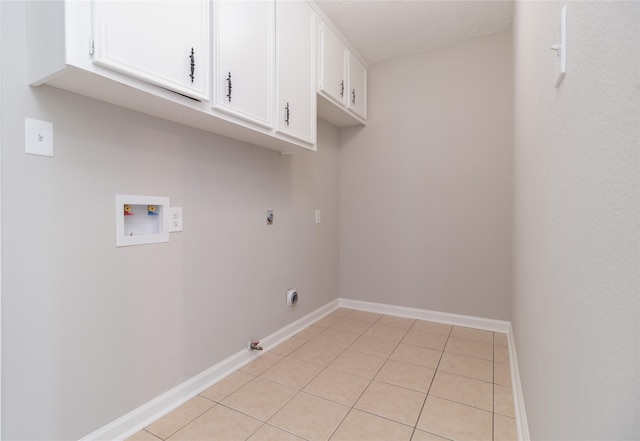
x: 359, y: 376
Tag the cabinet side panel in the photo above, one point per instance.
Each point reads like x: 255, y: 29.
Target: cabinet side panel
x: 45, y: 40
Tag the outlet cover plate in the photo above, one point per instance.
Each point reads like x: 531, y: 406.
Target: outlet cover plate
x: 175, y: 219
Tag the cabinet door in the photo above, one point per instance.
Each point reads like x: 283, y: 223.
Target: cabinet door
x: 295, y: 42
x: 357, y: 99
x: 332, y: 66
x: 163, y: 43
x: 244, y: 42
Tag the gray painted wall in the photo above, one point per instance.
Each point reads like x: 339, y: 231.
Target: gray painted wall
x: 425, y: 187
x: 91, y: 331
x: 576, y: 244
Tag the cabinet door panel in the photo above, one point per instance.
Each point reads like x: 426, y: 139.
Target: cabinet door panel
x: 244, y: 50
x: 357, y: 99
x: 332, y: 70
x: 295, y: 42
x: 153, y: 41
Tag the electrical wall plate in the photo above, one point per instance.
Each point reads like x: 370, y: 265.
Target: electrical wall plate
x: 38, y: 137
x: 141, y: 220
x: 175, y: 219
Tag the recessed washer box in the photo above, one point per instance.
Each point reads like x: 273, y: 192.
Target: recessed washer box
x: 141, y: 220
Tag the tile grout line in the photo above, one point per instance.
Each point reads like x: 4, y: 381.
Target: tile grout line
x: 455, y: 374
x: 186, y: 424
x: 299, y: 390
x: 371, y: 380
x: 435, y: 371
x: 415, y: 427
x: 315, y: 376
x: 406, y: 388
x: 156, y: 436
x: 493, y: 391
x: 363, y: 391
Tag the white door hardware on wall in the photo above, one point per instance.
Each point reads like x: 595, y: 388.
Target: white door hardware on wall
x: 269, y: 217
x: 561, y: 47
x: 38, y: 137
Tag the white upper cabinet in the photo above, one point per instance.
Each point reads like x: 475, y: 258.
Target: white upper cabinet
x: 164, y: 43
x: 342, y: 80
x: 332, y: 72
x: 244, y: 59
x: 295, y: 43
x: 260, y: 71
x: 357, y: 99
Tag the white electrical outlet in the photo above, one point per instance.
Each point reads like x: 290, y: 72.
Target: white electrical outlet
x: 38, y: 137
x: 318, y: 218
x: 175, y: 219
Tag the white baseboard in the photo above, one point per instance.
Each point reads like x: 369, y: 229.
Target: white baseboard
x: 518, y: 399
x: 425, y: 314
x: 144, y: 415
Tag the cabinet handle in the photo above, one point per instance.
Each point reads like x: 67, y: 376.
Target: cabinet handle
x: 193, y: 64
x: 342, y: 89
x: 229, y: 87
x: 286, y: 114
x: 353, y: 96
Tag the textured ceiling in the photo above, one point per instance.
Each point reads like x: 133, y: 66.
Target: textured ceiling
x: 382, y: 30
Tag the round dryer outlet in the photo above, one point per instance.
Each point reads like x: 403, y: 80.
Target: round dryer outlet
x: 292, y: 297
